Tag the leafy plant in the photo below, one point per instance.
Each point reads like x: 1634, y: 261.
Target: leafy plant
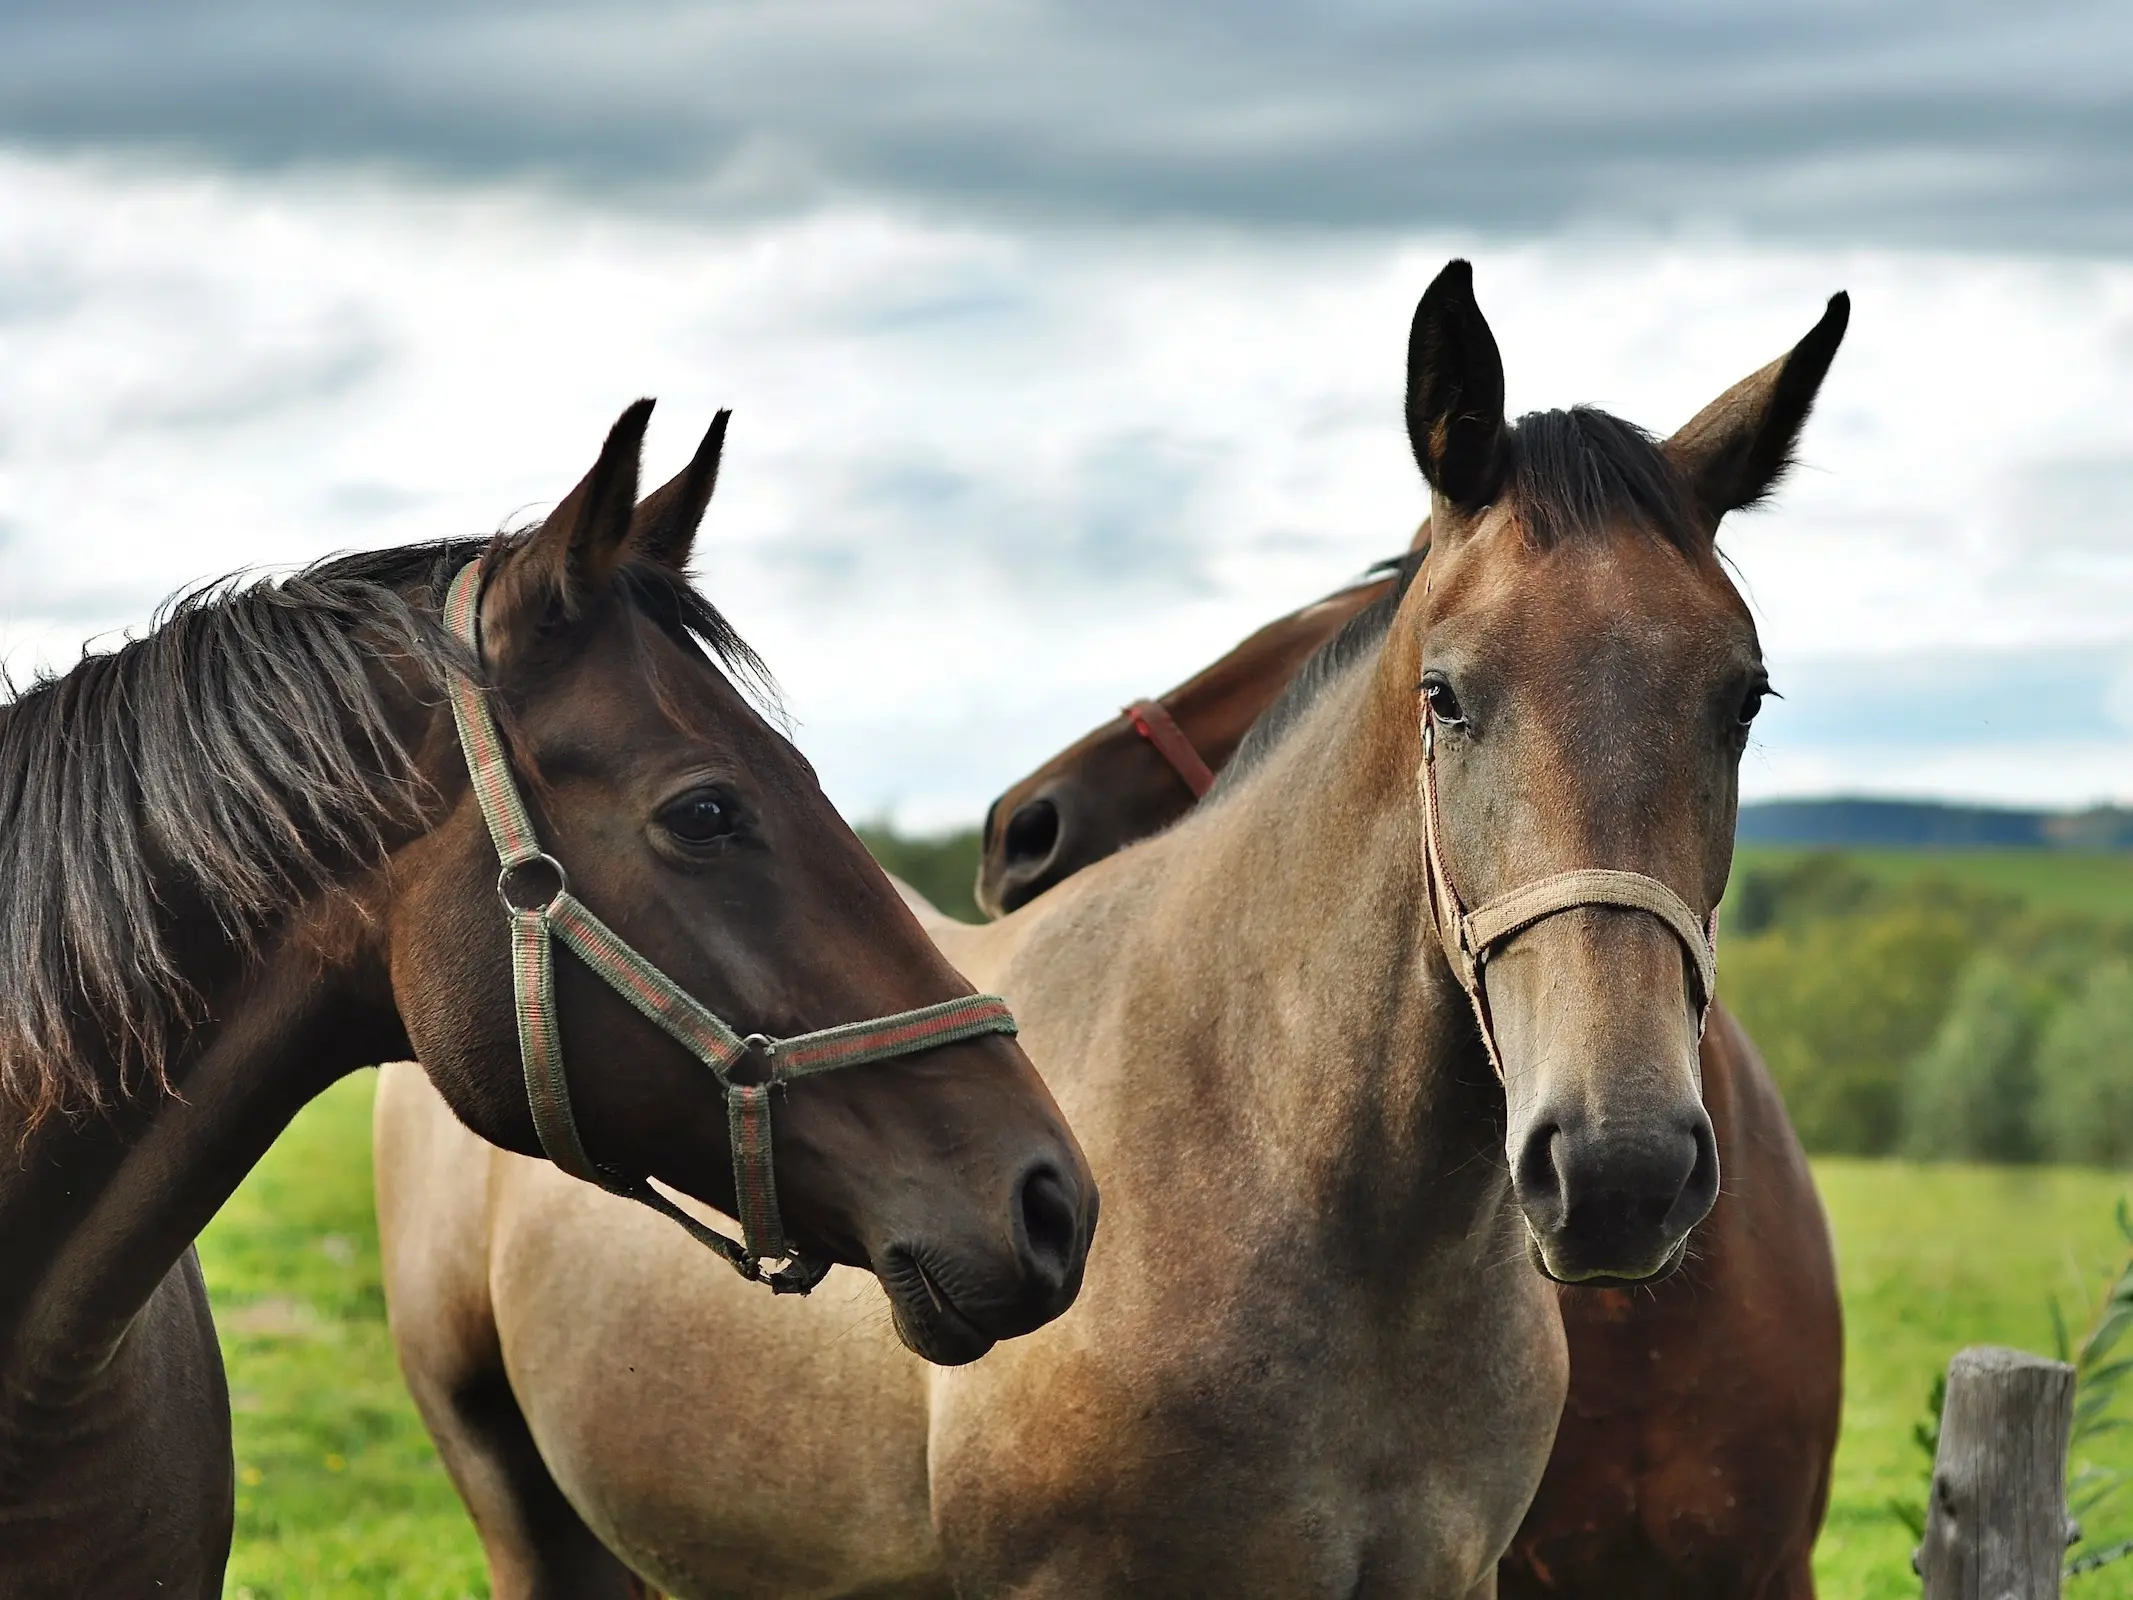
x: 1910, y: 1510
x: 2100, y: 1381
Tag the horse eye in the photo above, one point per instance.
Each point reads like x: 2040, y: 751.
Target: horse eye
x: 1751, y: 703
x: 1443, y: 704
x: 698, y: 818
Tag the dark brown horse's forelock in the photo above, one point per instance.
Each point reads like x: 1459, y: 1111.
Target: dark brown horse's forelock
x: 1576, y: 474
x: 237, y: 759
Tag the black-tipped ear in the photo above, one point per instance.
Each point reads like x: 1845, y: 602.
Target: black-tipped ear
x: 664, y: 528
x: 1455, y: 393
x: 573, y: 555
x: 1735, y: 449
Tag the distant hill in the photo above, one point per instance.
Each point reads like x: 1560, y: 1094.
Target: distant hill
x: 1930, y: 825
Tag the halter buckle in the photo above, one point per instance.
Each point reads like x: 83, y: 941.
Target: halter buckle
x: 508, y: 878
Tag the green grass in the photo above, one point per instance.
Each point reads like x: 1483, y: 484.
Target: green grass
x: 1932, y: 1259
x: 341, y: 1495
x: 2087, y: 884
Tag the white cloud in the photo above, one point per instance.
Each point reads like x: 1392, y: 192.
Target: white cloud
x: 984, y: 483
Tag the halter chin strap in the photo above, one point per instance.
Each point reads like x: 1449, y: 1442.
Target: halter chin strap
x: 1153, y: 721
x: 536, y: 894
x: 1469, y: 938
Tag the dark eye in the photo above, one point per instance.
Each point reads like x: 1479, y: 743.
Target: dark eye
x: 1443, y: 704
x: 699, y: 818
x: 1752, y: 702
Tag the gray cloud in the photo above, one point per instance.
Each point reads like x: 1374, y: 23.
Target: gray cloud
x: 1126, y: 504
x: 1921, y: 121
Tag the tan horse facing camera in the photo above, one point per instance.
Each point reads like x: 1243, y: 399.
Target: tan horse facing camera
x: 1406, y: 1009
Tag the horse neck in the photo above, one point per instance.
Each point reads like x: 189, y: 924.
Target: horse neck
x: 96, y: 1212
x: 1283, y: 970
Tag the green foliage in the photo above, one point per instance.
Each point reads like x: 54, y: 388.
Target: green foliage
x: 1910, y: 1510
x: 2085, y: 1072
x: 942, y: 867
x: 1901, y: 1002
x: 2091, y: 884
x: 2101, y: 1370
x: 1970, y: 1094
x: 1838, y: 1004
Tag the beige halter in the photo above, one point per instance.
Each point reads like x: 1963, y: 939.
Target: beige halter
x: 1471, y: 937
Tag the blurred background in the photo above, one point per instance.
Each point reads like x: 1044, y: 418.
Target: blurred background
x: 1065, y: 344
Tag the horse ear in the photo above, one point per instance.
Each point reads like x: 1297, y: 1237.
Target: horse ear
x: 664, y: 527
x: 1455, y: 417
x: 570, y: 559
x: 1735, y: 449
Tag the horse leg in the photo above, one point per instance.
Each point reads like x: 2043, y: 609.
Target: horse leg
x: 537, y: 1545
x: 433, y: 1181
x: 1794, y: 1578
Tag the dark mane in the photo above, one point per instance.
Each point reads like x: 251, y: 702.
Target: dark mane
x: 234, y: 761
x: 1582, y: 473
x: 1358, y: 638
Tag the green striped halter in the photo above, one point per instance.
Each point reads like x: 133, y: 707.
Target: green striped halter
x: 536, y: 894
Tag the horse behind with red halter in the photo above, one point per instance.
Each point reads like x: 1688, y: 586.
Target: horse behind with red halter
x: 1695, y: 1447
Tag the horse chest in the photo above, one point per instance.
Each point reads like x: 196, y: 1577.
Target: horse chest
x: 1305, y: 1451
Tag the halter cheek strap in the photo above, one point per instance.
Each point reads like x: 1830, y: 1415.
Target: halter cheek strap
x: 1469, y: 938
x: 1153, y: 721
x: 536, y: 894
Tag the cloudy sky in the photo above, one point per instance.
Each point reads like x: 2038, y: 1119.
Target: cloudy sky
x: 1065, y: 341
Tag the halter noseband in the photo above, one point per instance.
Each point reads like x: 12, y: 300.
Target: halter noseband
x: 543, y: 912
x: 1469, y: 938
x: 1153, y: 722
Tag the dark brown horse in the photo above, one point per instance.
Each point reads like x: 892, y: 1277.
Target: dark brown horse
x: 1694, y: 1453
x: 244, y: 857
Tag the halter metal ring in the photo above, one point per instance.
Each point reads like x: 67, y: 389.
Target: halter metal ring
x: 508, y: 876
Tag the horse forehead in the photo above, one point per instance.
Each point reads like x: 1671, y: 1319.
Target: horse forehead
x: 622, y: 688
x: 1608, y: 602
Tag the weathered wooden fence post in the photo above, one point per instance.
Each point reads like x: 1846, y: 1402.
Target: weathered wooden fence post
x: 1996, y: 1519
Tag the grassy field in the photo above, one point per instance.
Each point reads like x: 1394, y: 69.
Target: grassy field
x: 2096, y: 885
x: 341, y: 1496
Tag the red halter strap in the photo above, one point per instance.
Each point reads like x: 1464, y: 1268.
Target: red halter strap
x: 1160, y: 729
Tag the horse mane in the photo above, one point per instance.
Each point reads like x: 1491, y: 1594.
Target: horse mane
x: 235, y: 760
x: 1357, y: 638
x: 1574, y: 475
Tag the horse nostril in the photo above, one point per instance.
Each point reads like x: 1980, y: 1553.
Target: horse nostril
x: 1032, y: 834
x: 1700, y: 1190
x: 1538, y: 1181
x: 1050, y: 1215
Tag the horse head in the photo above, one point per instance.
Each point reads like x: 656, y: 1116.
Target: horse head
x: 1585, y: 676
